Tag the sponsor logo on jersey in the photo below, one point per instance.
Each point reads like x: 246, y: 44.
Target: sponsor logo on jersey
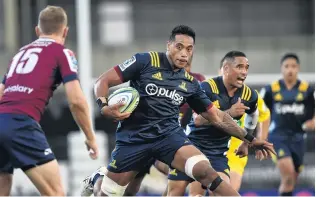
x: 153, y: 90
x: 297, y: 109
x: 19, y: 88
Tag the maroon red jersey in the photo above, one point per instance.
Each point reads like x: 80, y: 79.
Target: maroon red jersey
x: 33, y: 74
x: 185, y: 108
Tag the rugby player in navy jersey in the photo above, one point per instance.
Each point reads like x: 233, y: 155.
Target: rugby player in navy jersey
x: 33, y: 74
x: 153, y: 130
x: 225, y: 92
x: 134, y: 186
x: 292, y: 105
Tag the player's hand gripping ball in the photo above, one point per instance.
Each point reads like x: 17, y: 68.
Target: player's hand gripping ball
x: 128, y: 96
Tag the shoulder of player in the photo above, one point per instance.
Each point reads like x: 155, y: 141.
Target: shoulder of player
x: 152, y: 58
x: 274, y: 86
x: 303, y: 86
x: 248, y: 93
x: 212, y: 83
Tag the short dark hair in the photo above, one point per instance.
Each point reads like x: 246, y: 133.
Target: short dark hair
x: 182, y: 29
x: 231, y: 56
x: 290, y: 55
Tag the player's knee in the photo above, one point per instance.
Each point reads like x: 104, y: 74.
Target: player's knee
x: 132, y: 190
x: 56, y: 190
x: 111, y: 188
x: 5, y: 183
x: 199, y: 168
x: 289, y: 180
x: 175, y: 190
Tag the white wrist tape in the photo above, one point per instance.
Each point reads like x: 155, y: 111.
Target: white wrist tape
x: 251, y: 120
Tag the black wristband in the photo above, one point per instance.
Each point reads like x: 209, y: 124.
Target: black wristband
x: 249, y: 137
x: 102, y: 101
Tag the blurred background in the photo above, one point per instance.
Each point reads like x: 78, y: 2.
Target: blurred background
x: 105, y: 33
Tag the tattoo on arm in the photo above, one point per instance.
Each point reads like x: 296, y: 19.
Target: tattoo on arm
x: 228, y: 125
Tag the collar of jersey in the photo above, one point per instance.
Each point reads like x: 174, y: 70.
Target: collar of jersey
x: 46, y: 40
x: 282, y: 83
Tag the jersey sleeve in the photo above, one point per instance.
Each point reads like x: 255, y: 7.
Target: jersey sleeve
x: 68, y: 66
x: 207, y: 89
x: 253, y: 102
x: 264, y: 112
x: 266, y: 95
x: 130, y: 69
x: 199, y: 101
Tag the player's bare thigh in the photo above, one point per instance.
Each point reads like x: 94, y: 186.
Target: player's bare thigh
x: 5, y: 183
x: 123, y: 178
x: 181, y: 156
x: 196, y: 187
x: 288, y: 174
x: 176, y: 188
x: 47, y: 179
x: 235, y: 180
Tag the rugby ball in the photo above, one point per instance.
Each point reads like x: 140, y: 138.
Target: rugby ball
x: 129, y: 96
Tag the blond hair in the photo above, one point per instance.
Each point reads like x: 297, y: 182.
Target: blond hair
x: 52, y: 19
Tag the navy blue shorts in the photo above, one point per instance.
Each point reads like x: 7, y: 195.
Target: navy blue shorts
x: 135, y: 157
x: 146, y: 168
x: 219, y: 164
x: 287, y: 147
x: 22, y: 143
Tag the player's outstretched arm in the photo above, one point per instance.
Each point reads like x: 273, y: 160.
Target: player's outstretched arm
x: 224, y: 121
x: 2, y: 87
x: 236, y: 110
x: 80, y: 110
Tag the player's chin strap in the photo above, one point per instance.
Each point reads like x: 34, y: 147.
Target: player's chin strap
x: 111, y: 188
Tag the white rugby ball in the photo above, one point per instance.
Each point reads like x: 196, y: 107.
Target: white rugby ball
x: 129, y: 96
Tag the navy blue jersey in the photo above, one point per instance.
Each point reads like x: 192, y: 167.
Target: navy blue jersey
x: 162, y: 91
x: 210, y: 139
x: 289, y: 108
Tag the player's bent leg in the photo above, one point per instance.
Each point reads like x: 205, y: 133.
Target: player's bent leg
x: 237, y: 166
x: 191, y: 161
x: 196, y: 188
x: 6, y: 171
x: 235, y: 180
x: 162, y: 167
x: 115, y: 184
x: 288, y: 176
x: 177, y: 182
x: 134, y: 186
x: 46, y: 178
x: 5, y: 183
x: 177, y: 188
